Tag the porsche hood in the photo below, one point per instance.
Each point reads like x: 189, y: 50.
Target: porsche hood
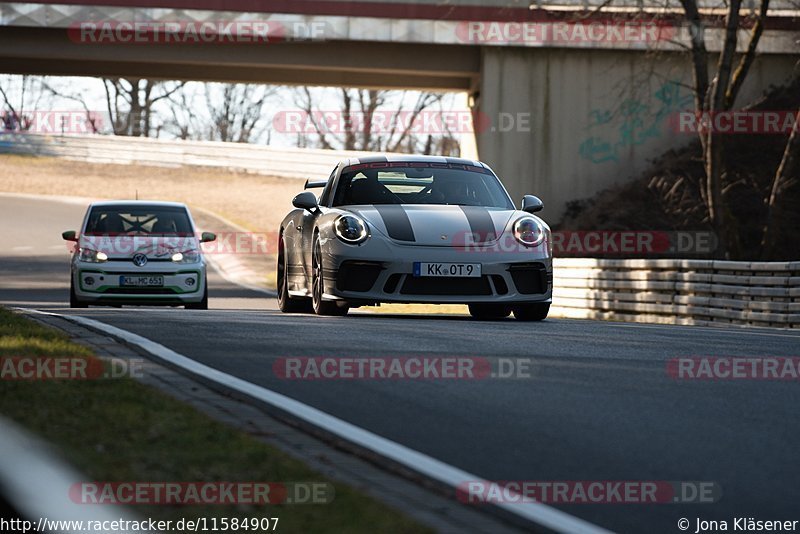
x: 435, y: 225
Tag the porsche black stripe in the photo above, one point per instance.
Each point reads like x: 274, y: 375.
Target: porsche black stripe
x: 480, y: 223
x: 396, y: 221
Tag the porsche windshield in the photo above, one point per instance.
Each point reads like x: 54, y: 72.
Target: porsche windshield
x: 138, y: 220
x: 420, y: 185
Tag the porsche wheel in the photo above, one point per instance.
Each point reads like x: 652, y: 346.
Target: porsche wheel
x: 286, y: 303
x: 321, y: 307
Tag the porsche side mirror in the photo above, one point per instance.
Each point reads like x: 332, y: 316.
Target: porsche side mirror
x: 69, y: 235
x: 306, y: 201
x: 532, y: 204
x: 207, y: 237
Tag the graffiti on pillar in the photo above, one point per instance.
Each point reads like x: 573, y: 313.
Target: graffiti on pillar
x: 633, y: 122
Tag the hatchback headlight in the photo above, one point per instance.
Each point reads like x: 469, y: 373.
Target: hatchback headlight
x: 187, y: 256
x: 351, y: 229
x: 529, y: 231
x: 92, y: 256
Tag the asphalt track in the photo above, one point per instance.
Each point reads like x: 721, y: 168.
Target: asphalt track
x: 599, y: 404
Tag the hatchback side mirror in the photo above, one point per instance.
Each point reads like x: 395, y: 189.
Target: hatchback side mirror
x: 532, y: 204
x: 207, y: 237
x: 69, y: 235
x: 306, y: 201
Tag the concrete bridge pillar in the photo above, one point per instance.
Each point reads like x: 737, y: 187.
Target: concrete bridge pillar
x: 565, y: 124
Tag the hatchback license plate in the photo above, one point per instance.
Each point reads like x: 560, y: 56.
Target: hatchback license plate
x: 141, y: 281
x: 459, y: 270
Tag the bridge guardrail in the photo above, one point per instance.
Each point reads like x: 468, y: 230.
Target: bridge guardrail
x: 285, y: 162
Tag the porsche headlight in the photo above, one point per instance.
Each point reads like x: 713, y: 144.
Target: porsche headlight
x: 92, y: 256
x: 529, y: 231
x: 187, y: 256
x: 350, y: 229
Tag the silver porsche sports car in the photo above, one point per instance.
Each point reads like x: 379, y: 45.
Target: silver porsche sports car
x: 414, y: 229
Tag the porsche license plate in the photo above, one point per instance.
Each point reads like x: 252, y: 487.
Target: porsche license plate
x: 141, y: 281
x: 460, y: 270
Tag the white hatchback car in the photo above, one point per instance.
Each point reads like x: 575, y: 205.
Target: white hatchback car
x: 140, y: 253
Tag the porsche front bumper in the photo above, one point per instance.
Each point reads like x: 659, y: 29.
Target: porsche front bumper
x: 382, y: 271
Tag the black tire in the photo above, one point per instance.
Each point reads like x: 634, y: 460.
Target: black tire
x: 73, y: 298
x: 286, y: 303
x: 203, y: 304
x: 532, y: 312
x: 322, y: 307
x: 488, y: 312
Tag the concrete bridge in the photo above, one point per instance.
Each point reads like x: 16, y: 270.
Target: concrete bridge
x: 570, y: 100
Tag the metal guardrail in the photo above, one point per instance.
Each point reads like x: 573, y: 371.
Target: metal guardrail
x: 696, y: 292
x: 274, y: 161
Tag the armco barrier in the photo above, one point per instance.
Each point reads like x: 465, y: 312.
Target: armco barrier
x: 698, y: 292
x: 260, y: 159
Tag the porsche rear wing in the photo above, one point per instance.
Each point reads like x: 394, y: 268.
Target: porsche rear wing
x: 311, y: 184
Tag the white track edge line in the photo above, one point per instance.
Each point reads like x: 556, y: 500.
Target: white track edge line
x: 538, y: 513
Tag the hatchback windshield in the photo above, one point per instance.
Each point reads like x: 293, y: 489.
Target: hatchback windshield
x: 138, y: 220
x: 420, y: 185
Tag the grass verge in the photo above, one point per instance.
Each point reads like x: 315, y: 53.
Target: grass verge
x: 121, y: 430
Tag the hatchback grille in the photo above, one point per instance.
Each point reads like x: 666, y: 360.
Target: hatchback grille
x: 140, y: 291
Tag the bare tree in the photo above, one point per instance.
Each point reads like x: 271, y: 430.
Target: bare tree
x: 373, y: 120
x: 717, y: 96
x: 130, y: 103
x: 236, y: 110
x: 786, y: 178
x: 230, y: 112
x: 93, y: 120
x: 26, y: 97
x: 184, y: 121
